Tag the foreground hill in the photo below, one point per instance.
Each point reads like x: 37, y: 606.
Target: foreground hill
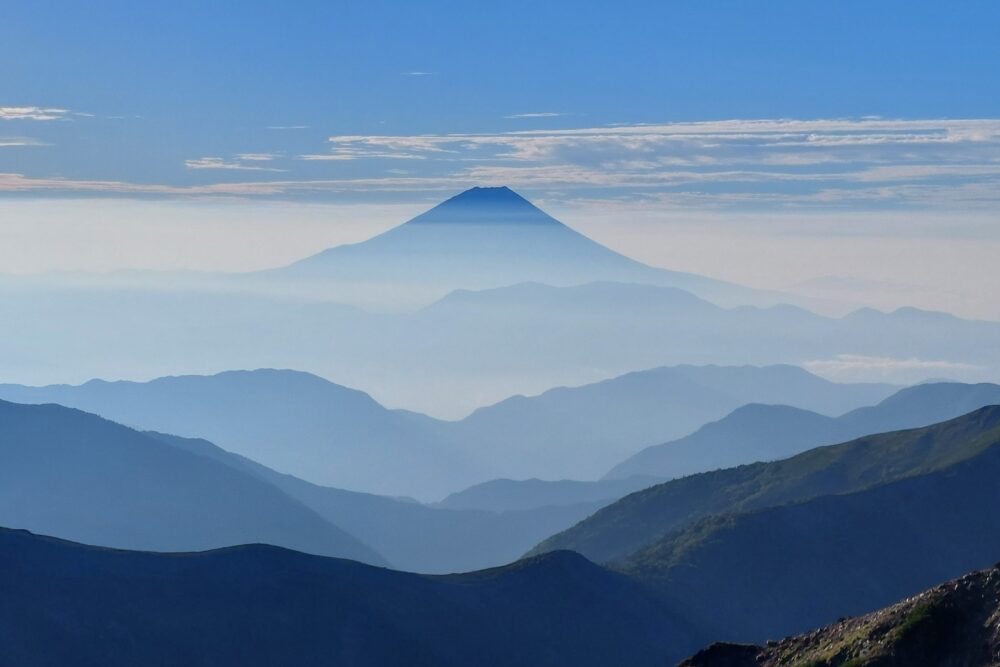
x: 805, y: 564
x: 65, y: 603
x: 73, y: 474
x: 768, y: 432
x: 641, y: 518
x: 952, y: 624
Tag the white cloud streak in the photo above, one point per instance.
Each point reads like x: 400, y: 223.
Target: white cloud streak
x: 21, y: 141
x: 779, y: 163
x: 852, y: 364
x: 237, y: 165
x: 535, y: 114
x: 33, y: 113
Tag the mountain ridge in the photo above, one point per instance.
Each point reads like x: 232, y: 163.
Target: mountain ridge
x: 758, y: 432
x: 843, y: 553
x: 644, y: 517
x: 67, y: 603
x: 75, y: 474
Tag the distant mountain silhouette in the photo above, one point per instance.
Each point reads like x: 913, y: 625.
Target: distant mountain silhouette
x: 411, y: 536
x: 766, y: 573
x: 487, y: 237
x: 331, y: 435
x: 293, y: 422
x: 951, y: 624
x: 65, y: 603
x: 470, y: 349
x: 768, y: 432
x: 642, y: 518
x: 619, y: 320
x: 580, y: 432
x: 504, y: 495
x: 75, y: 475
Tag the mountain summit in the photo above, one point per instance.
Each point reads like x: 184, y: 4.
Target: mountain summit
x: 482, y: 238
x: 498, y: 206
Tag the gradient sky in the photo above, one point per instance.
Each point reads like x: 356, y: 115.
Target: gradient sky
x: 849, y: 149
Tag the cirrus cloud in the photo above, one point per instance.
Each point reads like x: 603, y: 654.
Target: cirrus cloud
x: 33, y: 113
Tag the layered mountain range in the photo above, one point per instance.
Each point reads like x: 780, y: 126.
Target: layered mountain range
x: 838, y: 530
x: 482, y: 297
x: 301, y: 424
x: 622, y: 463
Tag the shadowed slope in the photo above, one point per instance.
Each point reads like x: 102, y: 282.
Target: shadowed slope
x: 65, y: 603
x: 413, y: 537
x: 639, y: 519
x: 73, y: 474
x: 806, y: 564
x: 290, y: 421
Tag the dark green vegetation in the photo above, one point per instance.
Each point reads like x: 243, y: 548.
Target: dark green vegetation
x: 783, y: 569
x: 639, y: 519
x: 954, y: 624
x: 73, y: 474
x: 65, y: 603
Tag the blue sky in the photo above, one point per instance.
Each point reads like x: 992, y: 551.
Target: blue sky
x: 878, y: 121
x: 190, y: 93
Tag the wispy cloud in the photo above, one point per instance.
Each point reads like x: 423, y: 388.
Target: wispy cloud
x: 13, y: 182
x: 945, y: 164
x: 33, y: 113
x: 21, y: 141
x: 240, y: 164
x: 535, y: 114
x: 417, y: 73
x: 859, y: 365
x: 287, y: 127
x: 256, y: 157
x: 824, y: 162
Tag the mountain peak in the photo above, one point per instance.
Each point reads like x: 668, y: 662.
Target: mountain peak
x: 486, y: 205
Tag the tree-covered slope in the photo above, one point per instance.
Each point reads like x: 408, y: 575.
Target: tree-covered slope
x: 771, y: 572
x: 642, y: 517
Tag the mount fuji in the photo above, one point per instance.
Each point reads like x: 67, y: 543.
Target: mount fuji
x: 485, y: 237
